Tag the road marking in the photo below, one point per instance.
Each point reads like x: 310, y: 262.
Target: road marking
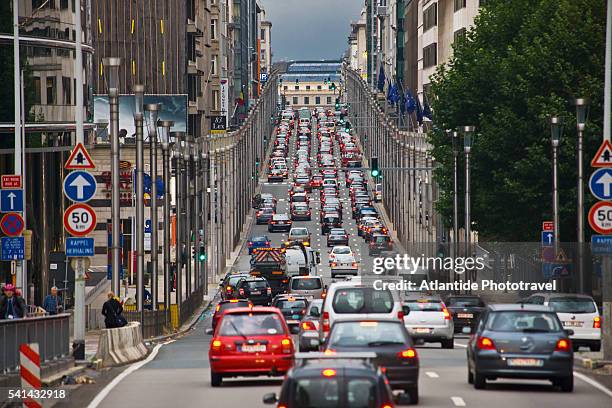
x: 458, y: 401
x: 461, y: 345
x: 593, y: 383
x: 431, y: 374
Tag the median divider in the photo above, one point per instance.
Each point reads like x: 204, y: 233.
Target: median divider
x: 121, y: 345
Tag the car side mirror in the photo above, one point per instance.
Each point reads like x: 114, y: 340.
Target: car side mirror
x: 569, y: 332
x: 270, y: 398
x: 209, y: 331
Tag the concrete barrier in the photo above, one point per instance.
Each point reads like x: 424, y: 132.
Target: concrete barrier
x: 121, y: 345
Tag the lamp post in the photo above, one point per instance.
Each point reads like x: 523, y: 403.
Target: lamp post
x: 166, y: 125
x: 454, y: 135
x: 112, y: 65
x: 179, y: 218
x: 468, y: 135
x: 195, y: 156
x: 581, y: 117
x: 556, y: 131
x: 139, y: 191
x: 153, y: 111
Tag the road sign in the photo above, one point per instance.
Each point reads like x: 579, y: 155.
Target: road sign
x: 603, y: 157
x: 11, y: 200
x: 600, y: 217
x: 548, y: 226
x: 79, y: 159
x: 11, y: 181
x: 80, y: 186
x: 600, y: 184
x: 79, y: 219
x: 263, y: 77
x: 218, y: 124
x: 548, y: 238
x: 79, y: 247
x: 13, y: 248
x: 555, y: 270
x: 601, y: 244
x: 561, y: 258
x: 548, y: 254
x: 12, y: 224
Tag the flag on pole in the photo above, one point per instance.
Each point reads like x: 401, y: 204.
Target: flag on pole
x: 410, y: 102
x: 419, y: 111
x: 381, y: 79
x: 426, y: 109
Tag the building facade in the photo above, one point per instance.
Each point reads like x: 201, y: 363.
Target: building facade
x: 311, y: 84
x: 266, y: 47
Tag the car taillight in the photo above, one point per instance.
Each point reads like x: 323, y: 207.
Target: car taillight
x: 228, y: 289
x: 485, y: 343
x: 325, y: 321
x: 287, y: 345
x: 563, y: 345
x: 400, y: 314
x: 308, y: 325
x: 408, y: 353
x: 267, y: 242
x: 269, y: 291
x: 597, y: 322
x: 329, y: 372
x: 387, y: 406
x: 333, y: 264
x: 216, y: 345
x: 217, y: 308
x: 354, y: 264
x: 241, y: 291
x: 250, y: 244
x: 447, y: 315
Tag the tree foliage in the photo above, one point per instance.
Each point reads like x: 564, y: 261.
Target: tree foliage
x: 523, y: 61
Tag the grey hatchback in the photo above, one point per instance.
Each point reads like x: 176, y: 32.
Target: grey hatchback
x: 520, y: 341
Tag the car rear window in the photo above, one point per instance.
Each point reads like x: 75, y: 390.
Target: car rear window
x: 465, y: 302
x: 259, y: 284
x: 251, y: 324
x: 523, y: 321
x: 424, y: 306
x: 341, y: 251
x: 382, y: 239
x: 366, y: 334
x: 362, y: 300
x: 574, y: 305
x: 291, y: 304
x: 306, y: 284
x: 300, y: 231
x: 234, y: 279
x: 299, y: 198
x: 323, y: 392
x: 232, y: 305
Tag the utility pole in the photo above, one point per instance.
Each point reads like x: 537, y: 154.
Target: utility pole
x: 166, y: 125
x: 606, y: 332
x: 153, y: 110
x: 205, y: 208
x: 179, y: 220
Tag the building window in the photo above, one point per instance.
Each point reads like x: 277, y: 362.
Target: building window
x: 308, y: 87
x: 213, y: 64
x: 317, y: 100
x: 51, y: 85
x: 37, y: 90
x: 263, y: 34
x: 215, y: 99
x: 430, y: 17
x: 63, y: 4
x: 213, y: 29
x: 285, y: 87
x: 482, y: 3
x: 306, y: 100
x: 459, y: 34
x: 329, y: 100
x: 318, y: 87
x: 459, y: 4
x: 430, y: 55
x: 297, y: 87
x: 66, y: 91
x: 295, y: 100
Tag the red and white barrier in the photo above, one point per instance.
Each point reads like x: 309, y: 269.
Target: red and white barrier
x: 29, y: 360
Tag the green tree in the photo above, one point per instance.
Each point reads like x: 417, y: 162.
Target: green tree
x: 522, y: 61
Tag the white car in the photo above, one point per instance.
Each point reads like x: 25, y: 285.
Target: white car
x: 342, y: 262
x: 428, y: 320
x: 578, y: 313
x: 300, y: 234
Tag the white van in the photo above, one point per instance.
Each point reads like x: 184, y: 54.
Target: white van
x: 354, y: 300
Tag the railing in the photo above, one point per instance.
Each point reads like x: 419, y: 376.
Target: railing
x: 52, y: 333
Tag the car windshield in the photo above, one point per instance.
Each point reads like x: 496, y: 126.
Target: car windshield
x: 424, y: 306
x: 291, y: 304
x: 306, y: 284
x: 382, y: 239
x: 464, y: 302
x: 523, y: 321
x: 258, y: 284
x: 251, y: 324
x: 365, y: 334
x: 341, y: 251
x: 362, y: 300
x: 233, y: 280
x: 572, y: 305
x: 337, y: 232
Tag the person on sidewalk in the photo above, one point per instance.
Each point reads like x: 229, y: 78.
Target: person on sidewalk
x: 111, y: 310
x: 11, y: 306
x: 52, y: 303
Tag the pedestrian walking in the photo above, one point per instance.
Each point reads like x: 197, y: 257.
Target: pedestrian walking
x: 111, y: 310
x: 53, y: 303
x: 11, y: 306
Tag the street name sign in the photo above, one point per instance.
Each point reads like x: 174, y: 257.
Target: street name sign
x: 11, y: 200
x: 80, y: 186
x: 79, y: 159
x: 600, y: 217
x: 78, y: 247
x: 548, y: 238
x: 11, y: 181
x: 12, y: 224
x: 79, y: 219
x: 600, y: 184
x: 13, y: 248
x: 601, y: 244
x: 603, y: 157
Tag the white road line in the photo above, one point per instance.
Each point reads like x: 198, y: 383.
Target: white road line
x: 461, y: 345
x: 458, y: 401
x: 593, y: 383
x: 431, y: 374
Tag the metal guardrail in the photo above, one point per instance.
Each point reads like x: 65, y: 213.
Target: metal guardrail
x: 52, y: 333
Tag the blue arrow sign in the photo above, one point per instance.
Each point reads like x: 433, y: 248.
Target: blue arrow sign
x: 80, y: 186
x: 600, y: 183
x: 601, y: 244
x: 78, y: 247
x: 13, y: 249
x: 554, y: 270
x: 11, y: 200
x: 548, y: 238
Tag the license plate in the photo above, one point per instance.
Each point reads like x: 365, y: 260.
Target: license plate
x: 422, y: 330
x: 256, y: 348
x: 573, y: 324
x: 255, y: 292
x: 465, y: 315
x: 293, y: 321
x: 525, y: 362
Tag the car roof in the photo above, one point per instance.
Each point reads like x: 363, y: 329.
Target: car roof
x: 519, y: 307
x: 561, y: 295
x: 254, y: 309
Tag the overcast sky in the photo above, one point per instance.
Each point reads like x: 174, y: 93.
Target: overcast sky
x: 310, y: 29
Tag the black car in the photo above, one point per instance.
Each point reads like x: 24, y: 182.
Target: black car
x: 264, y: 215
x: 228, y: 286
x: 300, y: 212
x: 465, y: 310
x: 280, y: 222
x: 293, y: 308
x: 379, y: 243
x: 520, y: 341
x: 333, y: 380
x: 392, y: 344
x: 329, y: 222
x: 255, y: 289
x: 337, y: 236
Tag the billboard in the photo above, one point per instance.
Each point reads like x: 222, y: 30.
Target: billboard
x: 174, y: 107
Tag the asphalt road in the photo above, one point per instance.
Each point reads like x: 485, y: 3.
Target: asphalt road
x: 179, y: 375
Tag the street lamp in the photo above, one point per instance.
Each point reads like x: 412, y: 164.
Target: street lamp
x: 112, y: 65
x: 153, y: 114
x: 468, y: 136
x: 556, y: 131
x: 581, y: 117
x: 165, y: 139
x: 139, y: 123
x: 454, y: 135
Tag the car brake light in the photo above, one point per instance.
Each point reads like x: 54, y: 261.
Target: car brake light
x: 329, y: 372
x: 269, y: 290
x: 217, y: 308
x: 216, y: 345
x: 355, y: 264
x: 250, y: 244
x: 597, y: 322
x: 409, y: 353
x: 287, y: 345
x: 333, y: 264
x: 447, y: 315
x: 228, y: 289
x: 267, y: 242
x: 325, y: 321
x: 485, y: 343
x: 308, y: 325
x: 563, y: 345
x: 400, y: 314
x: 387, y: 406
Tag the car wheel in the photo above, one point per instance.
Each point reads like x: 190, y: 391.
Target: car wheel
x: 567, y: 384
x: 413, y: 393
x: 470, y: 376
x: 595, y: 347
x: 215, y: 379
x: 448, y: 343
x: 480, y: 382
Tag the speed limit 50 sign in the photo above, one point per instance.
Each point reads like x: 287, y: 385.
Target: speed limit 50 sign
x: 600, y: 217
x: 79, y: 219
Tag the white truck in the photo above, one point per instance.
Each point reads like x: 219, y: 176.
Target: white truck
x: 301, y: 261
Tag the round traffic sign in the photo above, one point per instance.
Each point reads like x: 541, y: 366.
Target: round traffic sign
x: 79, y: 219
x: 600, y: 217
x: 12, y: 224
x: 80, y: 186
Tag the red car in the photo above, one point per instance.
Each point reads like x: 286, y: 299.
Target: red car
x: 250, y: 342
x: 224, y: 305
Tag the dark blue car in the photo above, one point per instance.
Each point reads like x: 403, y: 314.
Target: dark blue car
x: 261, y: 241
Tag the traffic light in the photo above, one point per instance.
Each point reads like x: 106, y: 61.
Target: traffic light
x: 337, y: 103
x: 202, y: 255
x: 297, y: 81
x: 374, y: 171
x: 333, y: 86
